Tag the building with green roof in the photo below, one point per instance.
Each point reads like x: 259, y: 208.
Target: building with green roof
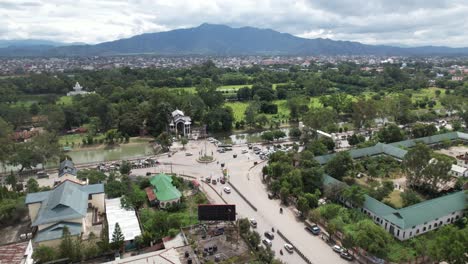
x: 416, y: 219
x: 162, y: 192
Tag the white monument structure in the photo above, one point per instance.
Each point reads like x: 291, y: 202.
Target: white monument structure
x: 180, y: 123
x: 77, y: 90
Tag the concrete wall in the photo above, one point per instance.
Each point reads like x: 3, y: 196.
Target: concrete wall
x: 97, y: 200
x: 33, y: 210
x: 28, y: 254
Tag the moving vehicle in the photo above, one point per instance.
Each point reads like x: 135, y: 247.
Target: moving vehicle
x: 269, y: 235
x: 289, y: 248
x: 266, y: 242
x: 244, y: 151
x: 227, y: 189
x: 315, y: 230
x: 253, y: 223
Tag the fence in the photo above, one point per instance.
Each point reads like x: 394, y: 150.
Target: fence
x: 243, y: 197
x: 295, y: 248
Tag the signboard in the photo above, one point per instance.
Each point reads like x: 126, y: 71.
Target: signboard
x: 216, y: 212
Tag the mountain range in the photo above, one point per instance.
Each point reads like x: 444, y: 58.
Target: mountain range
x: 221, y: 40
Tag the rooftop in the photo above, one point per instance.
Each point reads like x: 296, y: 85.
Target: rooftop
x: 13, y: 253
x: 127, y: 219
x: 68, y: 200
x: 163, y: 188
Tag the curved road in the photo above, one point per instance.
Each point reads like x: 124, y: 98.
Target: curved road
x: 248, y: 182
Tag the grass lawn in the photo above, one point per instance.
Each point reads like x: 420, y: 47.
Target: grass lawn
x: 238, y: 109
x: 65, y: 100
x: 395, y: 199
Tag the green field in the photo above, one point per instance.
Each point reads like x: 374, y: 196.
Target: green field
x: 65, y: 100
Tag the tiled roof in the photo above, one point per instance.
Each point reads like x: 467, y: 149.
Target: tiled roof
x: 68, y: 200
x: 56, y: 231
x: 13, y: 253
x: 163, y: 188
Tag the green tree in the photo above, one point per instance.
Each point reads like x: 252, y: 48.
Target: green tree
x: 354, y: 195
x: 118, y: 238
x: 12, y: 181
x: 6, y: 143
x: 277, y: 134
x: 67, y: 248
x: 320, y: 118
x: 303, y: 206
x: 410, y: 197
x: 184, y: 142
x: 414, y: 162
x: 165, y: 140
x: 244, y: 226
x: 125, y: 168
x: 32, y: 186
x: 391, y: 133
x: 449, y: 245
x: 134, y: 198
x: 370, y: 237
x: 295, y: 133
x: 44, y: 254
x: 339, y: 165
x: 268, y: 136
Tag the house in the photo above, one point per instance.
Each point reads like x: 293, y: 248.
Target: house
x: 462, y: 160
x: 162, y: 192
x: 416, y: 219
x: 17, y: 253
x: 70, y: 204
x: 180, y: 123
x: 67, y: 171
x: 127, y: 220
x: 458, y: 171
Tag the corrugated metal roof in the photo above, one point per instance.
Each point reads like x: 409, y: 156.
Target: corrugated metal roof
x: 127, y: 219
x: 67, y: 167
x: 56, y: 231
x: 432, y: 209
x: 163, y: 188
x: 13, y: 253
x: 69, y: 200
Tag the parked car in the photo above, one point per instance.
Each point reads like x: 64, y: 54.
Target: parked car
x: 244, y: 151
x: 269, y: 235
x: 188, y: 154
x: 271, y: 196
x: 208, y: 179
x: 253, y: 223
x: 346, y: 255
x: 249, y: 146
x: 213, y: 181
x: 222, y: 181
x: 315, y: 230
x: 227, y: 189
x: 337, y: 249
x: 42, y: 174
x: 266, y: 242
x: 289, y: 248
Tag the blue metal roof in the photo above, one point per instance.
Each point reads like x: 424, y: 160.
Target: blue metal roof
x: 56, y: 231
x: 67, y: 167
x: 69, y: 200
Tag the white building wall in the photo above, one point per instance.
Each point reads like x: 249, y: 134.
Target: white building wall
x: 97, y: 200
x: 28, y: 254
x: 404, y: 234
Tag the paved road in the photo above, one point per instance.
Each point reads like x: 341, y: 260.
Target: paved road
x: 248, y: 181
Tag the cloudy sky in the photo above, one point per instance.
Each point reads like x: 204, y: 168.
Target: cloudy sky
x: 402, y: 22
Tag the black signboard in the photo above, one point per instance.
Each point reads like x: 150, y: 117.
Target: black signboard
x: 216, y: 212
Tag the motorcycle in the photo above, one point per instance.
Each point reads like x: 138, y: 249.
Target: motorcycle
x: 281, y: 251
x: 273, y: 229
x: 281, y: 210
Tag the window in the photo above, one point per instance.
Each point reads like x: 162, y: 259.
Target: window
x: 398, y: 232
x: 457, y: 217
x: 417, y: 231
x: 435, y: 225
x: 90, y: 196
x: 448, y: 220
x: 424, y: 229
x: 410, y: 234
x: 430, y: 227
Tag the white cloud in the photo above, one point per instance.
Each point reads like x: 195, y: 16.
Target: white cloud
x: 409, y: 22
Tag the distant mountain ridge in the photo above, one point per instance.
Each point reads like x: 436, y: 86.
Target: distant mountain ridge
x: 221, y: 40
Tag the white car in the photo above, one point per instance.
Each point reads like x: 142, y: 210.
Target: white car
x: 267, y: 242
x: 289, y: 248
x: 337, y: 249
x: 227, y: 189
x: 244, y: 151
x: 253, y: 223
